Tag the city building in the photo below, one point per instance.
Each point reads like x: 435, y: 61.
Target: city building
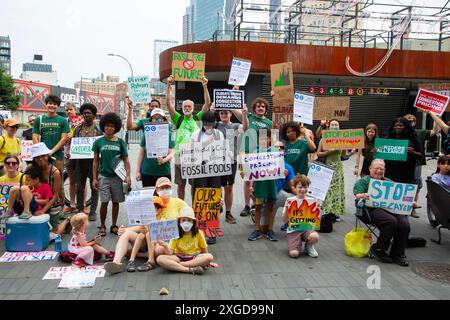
x: 158, y: 47
x: 5, y: 54
x: 98, y: 85
x: 38, y: 71
x: 188, y: 25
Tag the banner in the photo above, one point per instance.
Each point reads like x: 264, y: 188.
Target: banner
x: 139, y: 89
x: 207, y: 207
x: 25, y: 150
x: 431, y: 101
x: 205, y: 160
x: 304, y: 215
x: 326, y: 108
x: 81, y: 148
x: 188, y: 66
x: 156, y: 140
x: 343, y: 139
x: 163, y: 230
x: 303, y: 108
x: 240, y: 70
x: 320, y: 176
x: 140, y: 207
x: 282, y: 84
x: 28, y: 256
x: 391, y: 149
x: 263, y: 166
x: 397, y: 198
x: 228, y: 99
x: 56, y: 273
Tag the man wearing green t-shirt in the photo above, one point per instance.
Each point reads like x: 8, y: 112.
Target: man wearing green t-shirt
x: 186, y: 125
x: 52, y: 130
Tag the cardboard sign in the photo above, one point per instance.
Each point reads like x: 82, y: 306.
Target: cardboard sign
x: 343, y: 139
x: 320, y: 176
x: 77, y: 279
x: 391, y: 149
x: 28, y: 256
x: 228, y: 99
x: 303, y: 108
x: 240, y: 70
x: 25, y: 150
x: 140, y: 207
x: 304, y: 215
x: 188, y: 66
x: 326, y: 108
x: 157, y: 140
x: 282, y: 84
x: 431, y: 101
x: 207, y: 206
x: 263, y: 166
x: 282, y: 115
x: 163, y: 230
x: 397, y: 198
x: 56, y: 273
x: 139, y: 89
x: 81, y: 148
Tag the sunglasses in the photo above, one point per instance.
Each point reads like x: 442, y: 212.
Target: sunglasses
x: 11, y: 163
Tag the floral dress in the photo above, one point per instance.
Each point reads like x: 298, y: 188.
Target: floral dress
x: 335, y: 200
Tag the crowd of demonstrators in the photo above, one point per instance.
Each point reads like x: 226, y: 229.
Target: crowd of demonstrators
x: 442, y: 174
x: 9, y: 143
x: 367, y: 154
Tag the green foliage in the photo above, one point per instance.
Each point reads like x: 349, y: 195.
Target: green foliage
x: 7, y: 97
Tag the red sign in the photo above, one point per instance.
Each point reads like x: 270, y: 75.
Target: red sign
x: 312, y: 90
x: 188, y: 64
x: 322, y: 90
x: 430, y: 101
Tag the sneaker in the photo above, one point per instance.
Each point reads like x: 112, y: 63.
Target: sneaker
x: 400, y: 260
x: 79, y: 263
x: 245, y: 212
x: 92, y: 216
x: 414, y: 214
x: 380, y: 255
x: 211, y: 240
x: 197, y: 270
x: 131, y: 266
x: 25, y: 215
x: 230, y: 219
x: 109, y: 256
x: 311, y: 251
x: 255, y: 235
x: 284, y: 226
x: 113, y: 268
x: 271, y: 235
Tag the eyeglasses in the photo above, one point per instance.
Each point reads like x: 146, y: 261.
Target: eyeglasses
x: 11, y: 163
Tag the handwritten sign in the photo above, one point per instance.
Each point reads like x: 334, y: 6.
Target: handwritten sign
x: 240, y: 70
x: 139, y: 89
x: 320, y: 176
x: 431, y: 101
x: 77, y: 279
x: 282, y: 84
x: 391, y: 149
x: 263, y: 166
x: 25, y: 147
x: 228, y: 99
x: 397, y: 198
x: 81, y: 148
x: 207, y: 206
x: 28, y: 256
x: 157, y: 140
x: 343, y: 139
x: 326, y: 108
x: 163, y: 230
x: 140, y: 207
x: 303, y: 214
x: 188, y: 66
x: 282, y: 115
x: 56, y: 273
x: 303, y: 108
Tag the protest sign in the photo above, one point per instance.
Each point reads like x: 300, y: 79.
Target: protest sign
x: 77, y: 279
x: 5, y: 114
x: 28, y: 256
x: 25, y: 147
x: 119, y: 168
x: 391, y: 149
x: 263, y: 166
x: 240, y: 70
x: 397, y: 198
x: 326, y: 108
x: 343, y: 139
x: 81, y: 148
x: 205, y: 160
x: 207, y: 206
x: 431, y: 101
x: 303, y: 215
x: 303, y: 108
x: 282, y: 115
x: 439, y: 88
x: 163, y: 230
x: 188, y: 66
x: 282, y: 84
x: 56, y: 273
x: 140, y: 207
x: 228, y: 99
x: 320, y: 176
x: 139, y: 89
x: 157, y: 140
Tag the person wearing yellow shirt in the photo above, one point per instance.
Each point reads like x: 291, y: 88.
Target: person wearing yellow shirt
x: 9, y: 143
x: 188, y: 253
x: 12, y: 178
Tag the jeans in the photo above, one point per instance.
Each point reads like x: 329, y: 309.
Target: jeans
x: 85, y: 171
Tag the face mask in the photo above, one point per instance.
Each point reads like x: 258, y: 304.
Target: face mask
x: 209, y: 131
x: 158, y: 120
x: 165, y: 193
x: 187, y: 226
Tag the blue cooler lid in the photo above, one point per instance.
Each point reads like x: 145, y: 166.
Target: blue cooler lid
x: 33, y: 220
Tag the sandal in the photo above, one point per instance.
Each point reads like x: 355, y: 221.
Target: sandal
x: 197, y: 270
x: 114, y: 230
x: 146, y: 267
x: 102, y: 231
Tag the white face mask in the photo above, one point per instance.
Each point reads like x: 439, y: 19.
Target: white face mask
x: 187, y: 226
x: 165, y: 193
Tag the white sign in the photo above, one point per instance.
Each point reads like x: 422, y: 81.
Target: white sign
x: 303, y: 108
x: 119, y: 168
x: 77, y: 279
x: 320, y: 176
x: 240, y: 70
x: 157, y: 140
x: 225, y: 99
x: 56, y: 273
x: 397, y: 198
x: 6, y: 114
x: 139, y: 89
x: 81, y: 148
x: 140, y: 207
x: 163, y: 230
x: 28, y: 256
x: 25, y: 150
x: 263, y: 166
x: 205, y: 160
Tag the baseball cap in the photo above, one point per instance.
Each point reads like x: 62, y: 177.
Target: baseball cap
x: 163, y: 181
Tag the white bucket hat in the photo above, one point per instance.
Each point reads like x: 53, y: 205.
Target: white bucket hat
x: 158, y: 111
x: 40, y: 149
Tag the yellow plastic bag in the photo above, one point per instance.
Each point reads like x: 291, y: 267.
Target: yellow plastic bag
x: 358, y: 242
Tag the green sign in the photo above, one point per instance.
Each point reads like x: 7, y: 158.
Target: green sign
x: 391, y: 149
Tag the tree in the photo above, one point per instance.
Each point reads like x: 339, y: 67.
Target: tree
x: 7, y: 97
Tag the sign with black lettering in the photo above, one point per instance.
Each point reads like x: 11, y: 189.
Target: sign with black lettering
x: 207, y: 206
x: 228, y: 99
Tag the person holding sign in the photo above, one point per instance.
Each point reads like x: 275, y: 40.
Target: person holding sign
x: 392, y: 226
x: 186, y: 125
x: 295, y: 237
x: 445, y: 129
x: 109, y: 184
x: 370, y: 133
x: 154, y: 104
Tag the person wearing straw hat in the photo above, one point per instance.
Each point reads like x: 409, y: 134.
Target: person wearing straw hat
x: 188, y: 253
x: 9, y: 143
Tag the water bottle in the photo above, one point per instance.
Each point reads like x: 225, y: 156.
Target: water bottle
x: 58, y: 244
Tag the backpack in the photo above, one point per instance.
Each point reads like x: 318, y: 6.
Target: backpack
x: 326, y: 224
x: 181, y: 119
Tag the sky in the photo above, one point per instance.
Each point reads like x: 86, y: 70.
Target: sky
x: 76, y: 36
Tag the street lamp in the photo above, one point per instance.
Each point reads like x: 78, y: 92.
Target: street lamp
x: 119, y: 56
